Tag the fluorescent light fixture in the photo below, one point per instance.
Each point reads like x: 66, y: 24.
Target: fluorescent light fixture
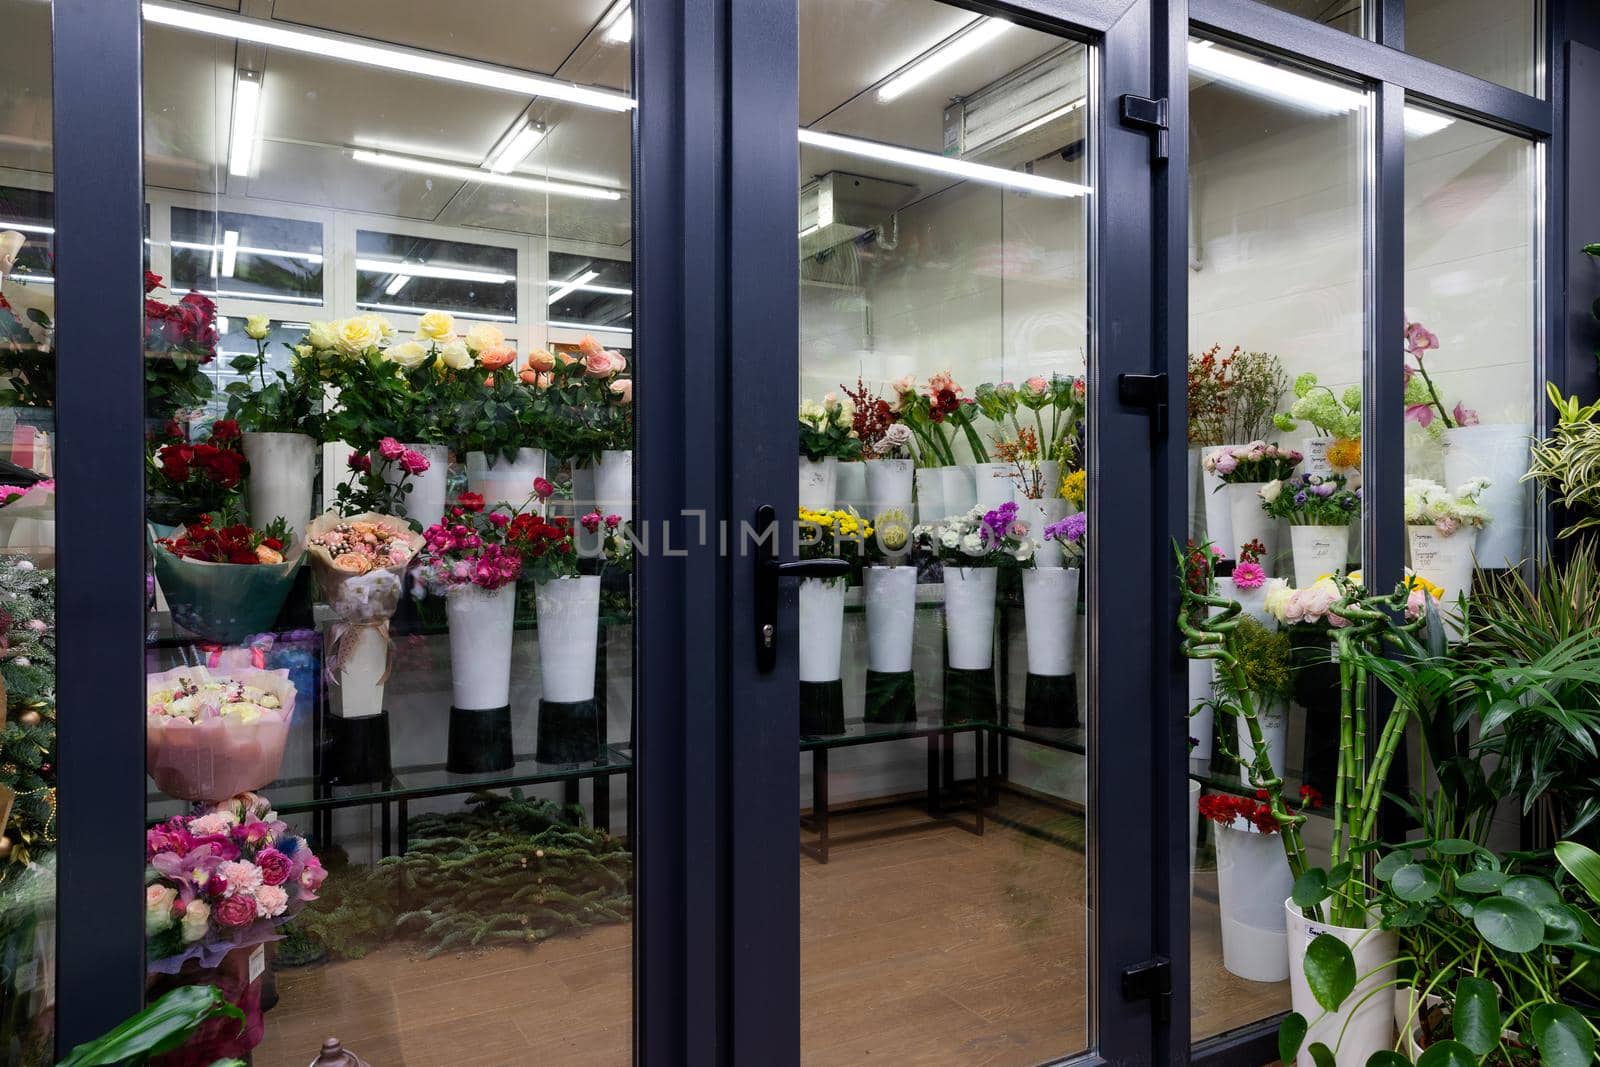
x: 1301, y: 90
x: 956, y: 168
x: 571, y: 286
x: 809, y: 230
x: 430, y: 270
x: 400, y: 282
x: 398, y: 60
x: 617, y: 27
x: 593, y: 327
x: 514, y: 149
x: 1043, y: 120
x: 266, y: 298
x: 244, y: 134
x: 488, y: 177
x: 26, y: 227
x: 246, y: 250
x: 612, y: 290
x: 412, y: 310
x: 230, y: 252
x: 965, y: 42
x: 44, y: 279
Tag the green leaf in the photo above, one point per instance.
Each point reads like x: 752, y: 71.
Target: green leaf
x: 1476, y: 1018
x: 1480, y: 882
x: 1447, y: 1054
x: 1322, y: 1055
x: 1391, y: 863
x: 1583, y: 863
x: 162, y: 1027
x: 1291, y: 1032
x: 1310, y: 888
x: 1562, y: 1036
x: 1331, y: 969
x: 1454, y: 846
x: 1415, y: 882
x: 1509, y: 925
x: 1387, y: 1058
x: 1560, y: 924
x: 1340, y: 874
x: 1531, y: 891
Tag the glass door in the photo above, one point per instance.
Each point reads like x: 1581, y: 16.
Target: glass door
x: 952, y: 701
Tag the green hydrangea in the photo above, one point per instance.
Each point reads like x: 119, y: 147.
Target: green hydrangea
x: 1333, y: 415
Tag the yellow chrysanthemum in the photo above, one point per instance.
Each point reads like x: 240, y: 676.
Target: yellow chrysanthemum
x: 1417, y: 581
x: 1345, y: 453
x: 1075, y: 486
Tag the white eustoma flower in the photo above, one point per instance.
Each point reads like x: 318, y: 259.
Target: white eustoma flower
x: 1272, y: 490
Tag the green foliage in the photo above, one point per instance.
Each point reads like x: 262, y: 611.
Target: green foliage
x: 1567, y: 463
x: 1331, y: 414
x: 1265, y: 658
x: 28, y: 738
x: 161, y: 1027
x: 283, y: 403
x: 1330, y: 970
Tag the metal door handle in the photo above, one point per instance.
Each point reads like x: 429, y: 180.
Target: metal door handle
x: 769, y: 571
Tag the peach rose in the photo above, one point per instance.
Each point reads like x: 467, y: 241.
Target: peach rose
x: 268, y: 555
x: 352, y: 563
x: 597, y: 364
x: 541, y: 360
x: 499, y: 356
x: 590, y: 347
x: 622, y: 389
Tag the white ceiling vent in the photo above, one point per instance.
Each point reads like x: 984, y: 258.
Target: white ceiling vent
x: 1032, y: 112
x: 838, y: 207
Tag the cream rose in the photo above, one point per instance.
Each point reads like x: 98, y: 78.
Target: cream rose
x: 357, y: 335
x: 256, y: 327
x: 455, y: 355
x: 483, y: 337
x: 407, y: 355
x: 196, y: 919
x: 322, y: 335
x: 158, y: 900
x: 436, y: 326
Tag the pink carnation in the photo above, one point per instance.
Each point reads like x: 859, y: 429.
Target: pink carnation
x: 271, y: 901
x: 242, y: 877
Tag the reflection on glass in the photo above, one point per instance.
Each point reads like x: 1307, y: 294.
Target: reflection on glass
x: 589, y: 293
x: 390, y: 651
x: 1276, y: 333
x: 943, y: 450
x: 1471, y: 329
x: 1498, y: 40
x: 27, y: 544
x: 1351, y: 16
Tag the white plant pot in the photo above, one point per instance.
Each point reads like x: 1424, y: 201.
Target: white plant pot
x: 1318, y: 550
x: 889, y: 483
x: 992, y: 485
x: 1050, y: 478
x: 969, y: 616
x: 850, y: 486
x: 607, y: 488
x: 959, y: 494
x: 1050, y: 611
x: 1274, y: 720
x: 1038, y: 514
x: 1500, y: 454
x: 1194, y: 830
x: 1252, y: 602
x: 930, y: 495
x: 1365, y: 1022
x: 821, y: 629
x: 282, y: 469
x: 506, y: 484
x: 819, y: 483
x: 1202, y: 687
x: 1219, y: 513
x: 425, y: 502
x: 1250, y: 522
x: 568, y: 612
x: 890, y: 596
x: 1446, y: 561
x: 359, y: 694
x: 1252, y: 880
x: 480, y: 645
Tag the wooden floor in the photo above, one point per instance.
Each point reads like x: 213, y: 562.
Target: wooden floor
x: 931, y: 947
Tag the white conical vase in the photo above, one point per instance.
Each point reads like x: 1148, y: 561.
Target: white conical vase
x: 1500, y: 454
x: 1252, y: 602
x: 1274, y: 721
x: 890, y: 597
x: 1050, y: 613
x: 889, y: 486
x: 1252, y: 880
x: 1250, y: 522
x: 1218, y: 509
x: 930, y: 495
x: 819, y: 481
x: 850, y: 486
x: 1038, y: 514
x: 568, y: 614
x: 1201, y: 690
x: 1364, y: 1023
x: 1318, y: 550
x: 992, y: 485
x: 283, y: 467
x: 969, y: 616
x: 1446, y: 560
x: 359, y: 694
x: 425, y: 502
x: 608, y: 487
x: 821, y: 636
x: 1194, y: 831
x: 959, y: 494
x: 506, y: 484
x: 480, y: 645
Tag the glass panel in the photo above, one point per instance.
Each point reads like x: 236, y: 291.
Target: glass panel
x: 1471, y: 350
x: 1498, y: 40
x: 432, y: 733
x: 1276, y: 334
x: 1351, y: 16
x: 589, y: 293
x: 944, y: 340
x: 27, y: 543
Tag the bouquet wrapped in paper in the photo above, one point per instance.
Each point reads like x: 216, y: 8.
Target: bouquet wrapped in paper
x: 225, y: 582
x: 360, y: 565
x: 209, y: 736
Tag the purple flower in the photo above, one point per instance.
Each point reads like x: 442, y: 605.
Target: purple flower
x: 1300, y: 498
x: 1070, y: 529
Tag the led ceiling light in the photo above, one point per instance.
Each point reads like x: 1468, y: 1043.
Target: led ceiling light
x: 1302, y: 90
x: 617, y: 27
x: 956, y: 168
x: 346, y: 49
x: 514, y: 149
x: 400, y: 282
x: 26, y: 227
x: 409, y: 309
x: 489, y: 177
x: 572, y: 286
x: 230, y: 252
x: 245, y: 133
x: 610, y: 290
x: 246, y: 250
x: 430, y: 270
x: 966, y: 41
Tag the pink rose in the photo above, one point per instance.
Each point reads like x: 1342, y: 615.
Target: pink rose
x: 597, y: 364
x: 591, y: 521
x: 413, y: 462
x: 543, y: 488
x: 271, y: 901
x: 622, y: 389
x: 312, y: 875
x: 391, y: 449
x: 235, y: 911
x: 275, y: 866
x: 613, y: 521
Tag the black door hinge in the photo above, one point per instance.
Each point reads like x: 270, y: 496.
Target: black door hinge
x: 1148, y: 391
x: 1141, y: 112
x: 1152, y: 981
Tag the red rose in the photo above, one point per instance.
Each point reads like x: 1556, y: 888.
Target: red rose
x: 151, y: 281
x: 235, y: 911
x: 359, y: 462
x: 471, y: 501
x: 225, y: 430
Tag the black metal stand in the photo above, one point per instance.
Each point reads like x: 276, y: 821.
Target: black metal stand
x: 480, y: 740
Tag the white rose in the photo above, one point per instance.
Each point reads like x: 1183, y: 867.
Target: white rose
x: 484, y: 336
x: 256, y: 327
x: 455, y: 356
x: 385, y: 327
x: 1272, y: 490
x: 356, y: 335
x: 158, y: 900
x: 408, y: 355
x: 195, y: 920
x: 322, y: 336
x: 436, y: 326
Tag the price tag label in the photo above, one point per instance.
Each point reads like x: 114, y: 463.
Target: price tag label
x: 258, y: 962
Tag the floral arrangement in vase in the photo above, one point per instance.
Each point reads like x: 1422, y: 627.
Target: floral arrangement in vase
x: 1023, y: 454
x: 548, y: 546
x: 189, y: 479
x: 360, y: 545
x: 226, y: 580
x: 207, y: 542
x: 1230, y: 809
x: 587, y: 404
x: 366, y: 491
x: 1071, y: 533
x: 835, y: 533
x: 26, y: 495
x: 979, y: 538
x: 275, y: 402
x: 1422, y: 399
x: 468, y: 547
x: 1232, y: 398
x: 1336, y: 415
x: 1312, y: 500
x: 877, y: 424
x: 1075, y: 487
x: 1427, y: 503
x: 1257, y: 461
x: 179, y: 339
x: 931, y: 415
x: 827, y: 429
x: 889, y: 541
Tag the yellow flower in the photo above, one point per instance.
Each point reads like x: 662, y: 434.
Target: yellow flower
x: 356, y: 335
x: 322, y: 335
x: 436, y: 326
x: 1075, y: 487
x: 1417, y: 581
x: 1345, y: 453
x: 256, y: 327
x: 484, y: 336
